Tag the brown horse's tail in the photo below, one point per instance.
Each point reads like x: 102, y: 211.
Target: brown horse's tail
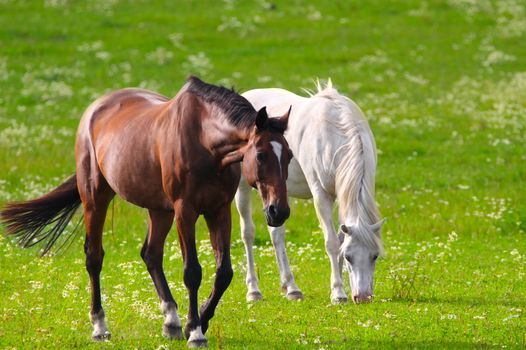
x: 28, y: 220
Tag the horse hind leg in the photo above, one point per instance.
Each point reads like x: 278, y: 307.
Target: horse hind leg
x: 152, y: 254
x: 96, y: 195
x: 94, y: 216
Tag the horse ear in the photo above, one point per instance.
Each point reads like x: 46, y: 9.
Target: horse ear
x: 262, y: 119
x: 285, y: 118
x: 345, y: 229
x: 231, y: 158
x: 283, y: 121
x: 378, y: 225
x: 280, y: 123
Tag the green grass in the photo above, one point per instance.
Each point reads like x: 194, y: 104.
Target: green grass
x: 443, y: 84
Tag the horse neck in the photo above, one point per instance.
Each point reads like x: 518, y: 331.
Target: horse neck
x: 222, y: 137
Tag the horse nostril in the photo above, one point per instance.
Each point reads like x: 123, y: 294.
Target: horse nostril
x: 272, y: 210
x: 362, y: 298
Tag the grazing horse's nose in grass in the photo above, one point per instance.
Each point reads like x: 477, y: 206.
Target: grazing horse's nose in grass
x: 362, y: 298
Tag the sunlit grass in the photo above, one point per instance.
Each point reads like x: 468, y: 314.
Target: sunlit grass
x: 443, y: 84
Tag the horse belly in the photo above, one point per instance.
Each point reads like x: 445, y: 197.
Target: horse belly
x: 145, y: 197
x: 135, y: 179
x: 297, y: 185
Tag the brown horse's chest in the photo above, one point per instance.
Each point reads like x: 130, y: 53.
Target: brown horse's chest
x: 208, y: 190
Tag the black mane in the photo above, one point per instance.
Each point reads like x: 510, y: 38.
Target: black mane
x: 237, y: 108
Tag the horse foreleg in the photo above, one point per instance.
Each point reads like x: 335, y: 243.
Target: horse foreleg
x: 247, y: 234
x: 323, y: 204
x: 185, y: 218
x: 152, y: 254
x: 288, y: 285
x: 220, y: 226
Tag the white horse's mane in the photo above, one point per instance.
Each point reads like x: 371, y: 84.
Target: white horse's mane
x: 355, y: 173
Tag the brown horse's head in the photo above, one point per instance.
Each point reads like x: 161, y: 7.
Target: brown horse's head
x: 265, y: 165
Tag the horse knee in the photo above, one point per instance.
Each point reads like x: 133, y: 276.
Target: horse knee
x: 224, y: 276
x: 332, y: 247
x: 192, y: 275
x: 248, y: 233
x: 151, y: 259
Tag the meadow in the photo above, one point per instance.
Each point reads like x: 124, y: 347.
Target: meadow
x: 443, y: 85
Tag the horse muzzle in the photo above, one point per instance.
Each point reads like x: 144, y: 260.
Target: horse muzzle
x: 362, y: 298
x: 276, y: 215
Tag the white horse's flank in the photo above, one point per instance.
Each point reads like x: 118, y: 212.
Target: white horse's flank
x: 334, y: 159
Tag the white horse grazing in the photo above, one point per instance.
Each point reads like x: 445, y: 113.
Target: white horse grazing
x: 334, y: 159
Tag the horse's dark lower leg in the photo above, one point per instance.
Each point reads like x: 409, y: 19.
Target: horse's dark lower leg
x: 185, y: 220
x: 94, y: 217
x: 192, y: 280
x: 220, y: 227
x: 224, y: 274
x: 152, y: 254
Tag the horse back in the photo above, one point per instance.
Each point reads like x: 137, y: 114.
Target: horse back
x: 149, y: 150
x: 119, y: 134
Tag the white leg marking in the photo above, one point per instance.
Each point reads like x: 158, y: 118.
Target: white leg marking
x: 100, y: 330
x: 99, y: 327
x: 196, y: 334
x: 277, y: 148
x: 170, y: 314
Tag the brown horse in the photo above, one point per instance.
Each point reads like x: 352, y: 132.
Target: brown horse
x: 177, y: 158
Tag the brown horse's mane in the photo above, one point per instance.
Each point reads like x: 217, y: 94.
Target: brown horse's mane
x: 235, y: 107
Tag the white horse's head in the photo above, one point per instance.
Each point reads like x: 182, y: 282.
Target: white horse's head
x: 360, y: 248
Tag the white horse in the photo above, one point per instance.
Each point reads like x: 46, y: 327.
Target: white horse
x: 334, y: 159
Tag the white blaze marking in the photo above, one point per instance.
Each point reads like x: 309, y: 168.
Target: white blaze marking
x: 196, y: 334
x: 277, y: 147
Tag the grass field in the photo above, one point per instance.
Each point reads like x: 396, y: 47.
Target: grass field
x: 443, y: 84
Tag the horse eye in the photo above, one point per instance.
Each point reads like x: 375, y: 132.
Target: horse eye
x: 348, y: 258
x: 375, y: 257
x: 291, y: 155
x: 261, y: 156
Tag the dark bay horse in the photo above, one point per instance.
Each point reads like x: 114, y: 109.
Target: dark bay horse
x: 178, y: 158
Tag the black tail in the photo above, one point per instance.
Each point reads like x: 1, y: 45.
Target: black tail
x: 28, y: 220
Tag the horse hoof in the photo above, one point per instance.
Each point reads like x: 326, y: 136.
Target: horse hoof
x: 339, y: 300
x: 173, y: 332
x: 198, y: 343
x: 102, y: 336
x: 254, y: 296
x: 295, y: 295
